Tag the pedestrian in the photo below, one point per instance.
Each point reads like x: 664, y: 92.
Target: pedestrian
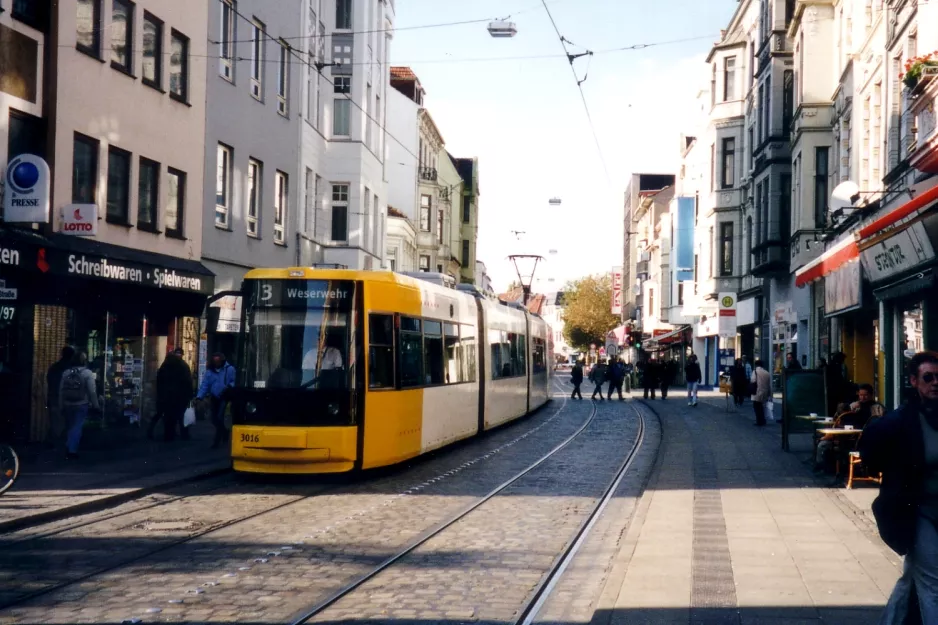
x: 903, y: 446
x: 597, y: 377
x: 76, y: 395
x: 761, y: 388
x: 738, y: 382
x: 836, y: 377
x: 218, y: 378
x: 53, y: 382
x: 791, y: 363
x: 650, y: 378
x: 576, y: 378
x: 666, y: 376
x: 173, y: 394
x: 616, y: 378
x: 693, y: 376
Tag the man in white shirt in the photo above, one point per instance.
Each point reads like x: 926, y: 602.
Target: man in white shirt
x: 331, y: 359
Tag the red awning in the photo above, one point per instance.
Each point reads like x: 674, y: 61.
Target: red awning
x: 908, y: 209
x: 843, y: 252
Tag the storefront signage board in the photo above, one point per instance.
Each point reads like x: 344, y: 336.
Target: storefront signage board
x: 80, y: 220
x: 617, y: 290
x: 26, y: 190
x: 899, y: 253
x: 842, y: 290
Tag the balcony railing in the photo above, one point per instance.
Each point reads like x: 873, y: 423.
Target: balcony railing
x: 428, y: 174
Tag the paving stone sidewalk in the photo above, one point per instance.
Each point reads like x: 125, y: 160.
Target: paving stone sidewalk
x: 731, y: 529
x: 50, y: 487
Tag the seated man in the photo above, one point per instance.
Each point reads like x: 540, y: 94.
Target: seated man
x: 865, y: 408
x: 827, y: 441
x: 331, y: 360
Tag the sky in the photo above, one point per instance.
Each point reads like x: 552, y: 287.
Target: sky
x: 525, y: 121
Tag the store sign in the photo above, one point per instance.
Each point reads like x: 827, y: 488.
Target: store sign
x: 80, y: 220
x: 617, y: 290
x: 26, y: 196
x: 229, y: 313
x: 726, y: 326
x: 746, y: 312
x: 842, y: 290
x: 897, y: 254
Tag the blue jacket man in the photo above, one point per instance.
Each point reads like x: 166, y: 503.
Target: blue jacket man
x: 219, y: 377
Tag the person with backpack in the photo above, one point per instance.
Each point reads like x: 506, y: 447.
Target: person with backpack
x: 57, y: 423
x: 576, y: 378
x: 76, y: 395
x: 219, y: 377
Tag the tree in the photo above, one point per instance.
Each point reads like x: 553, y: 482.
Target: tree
x: 587, y: 316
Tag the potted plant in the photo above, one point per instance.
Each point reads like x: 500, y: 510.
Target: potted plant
x: 919, y: 67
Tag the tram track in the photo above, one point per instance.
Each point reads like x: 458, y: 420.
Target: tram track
x: 22, y: 598
x: 537, y: 598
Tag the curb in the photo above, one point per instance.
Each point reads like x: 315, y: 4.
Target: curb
x: 109, y: 501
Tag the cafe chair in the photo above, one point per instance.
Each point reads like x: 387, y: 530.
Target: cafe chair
x: 856, y: 463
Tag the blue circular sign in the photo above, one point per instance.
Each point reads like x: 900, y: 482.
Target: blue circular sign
x: 24, y: 176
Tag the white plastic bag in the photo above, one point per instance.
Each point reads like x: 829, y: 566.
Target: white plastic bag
x: 188, y: 418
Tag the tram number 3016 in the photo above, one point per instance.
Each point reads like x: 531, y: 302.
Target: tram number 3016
x: 250, y: 438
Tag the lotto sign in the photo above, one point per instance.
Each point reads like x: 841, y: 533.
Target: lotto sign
x: 617, y: 290
x: 80, y: 220
x: 726, y: 326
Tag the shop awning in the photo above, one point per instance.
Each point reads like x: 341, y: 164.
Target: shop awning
x: 893, y: 217
x: 841, y: 253
x: 663, y: 337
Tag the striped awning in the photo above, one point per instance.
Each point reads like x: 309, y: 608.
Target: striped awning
x: 893, y: 217
x: 835, y: 257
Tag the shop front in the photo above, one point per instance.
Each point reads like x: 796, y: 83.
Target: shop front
x: 124, y: 308
x: 748, y: 334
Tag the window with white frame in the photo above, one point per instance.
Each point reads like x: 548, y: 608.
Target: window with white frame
x: 424, y: 263
x: 312, y: 75
x: 318, y: 204
x: 122, y: 35
x: 223, y: 185
x: 342, y: 107
x: 283, y: 79
x: 257, y: 60
x: 368, y: 122
x: 309, y: 220
x: 729, y: 78
x: 226, y: 40
x: 340, y: 193
x: 281, y: 199
x: 343, y: 14
x: 366, y: 218
x: 378, y: 235
x: 426, y: 204
x: 255, y: 195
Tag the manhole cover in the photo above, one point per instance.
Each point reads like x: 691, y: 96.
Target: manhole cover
x: 167, y: 526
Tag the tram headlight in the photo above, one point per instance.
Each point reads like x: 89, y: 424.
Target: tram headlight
x: 250, y: 407
x: 333, y: 410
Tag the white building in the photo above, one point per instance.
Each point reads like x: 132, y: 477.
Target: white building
x: 401, y: 245
x: 552, y: 313
x: 483, y: 281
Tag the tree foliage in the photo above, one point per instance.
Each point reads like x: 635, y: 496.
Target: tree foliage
x: 587, y: 316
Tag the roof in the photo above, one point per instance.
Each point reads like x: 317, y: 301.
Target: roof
x: 393, y: 212
x: 536, y: 301
x: 403, y: 73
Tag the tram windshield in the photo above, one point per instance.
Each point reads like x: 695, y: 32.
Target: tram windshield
x: 300, y: 335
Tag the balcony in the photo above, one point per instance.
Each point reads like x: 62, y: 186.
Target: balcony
x: 641, y: 269
x: 770, y: 258
x: 428, y: 174
x: 923, y: 154
x: 776, y: 43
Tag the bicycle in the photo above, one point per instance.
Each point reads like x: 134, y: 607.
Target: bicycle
x: 9, y: 467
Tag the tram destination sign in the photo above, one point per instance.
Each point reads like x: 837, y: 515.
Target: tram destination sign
x: 304, y: 294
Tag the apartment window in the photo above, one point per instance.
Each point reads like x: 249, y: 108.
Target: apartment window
x: 712, y: 259
x: 367, y: 221
x: 368, y: 122
x: 729, y: 79
x: 255, y: 196
x: 281, y: 197
x: 726, y: 249
x: 713, y: 165
x: 87, y: 27
x: 179, y: 67
x: 821, y: 167
x: 784, y: 208
x: 788, y: 100
x: 465, y: 253
x: 175, y: 203
x: 425, y: 208
x: 340, y: 212
x: 122, y: 35
x: 768, y: 106
x: 466, y: 209
x: 342, y: 107
x: 283, y: 78
x: 379, y: 226
x: 752, y: 150
x: 759, y: 114
x: 749, y: 242
x: 729, y: 163
x: 222, y: 185
x: 424, y: 263
x: 343, y: 14
x: 257, y: 60
x: 152, y: 51
x: 680, y: 293
x: 439, y: 225
x: 651, y: 302
x: 309, y: 223
x: 84, y: 169
x: 118, y: 186
x: 713, y: 85
x: 226, y: 40
x: 148, y: 193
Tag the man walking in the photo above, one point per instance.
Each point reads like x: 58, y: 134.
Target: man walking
x: 576, y: 378
x: 903, y: 446
x: 219, y: 377
x: 650, y: 378
x: 76, y: 394
x: 666, y: 377
x: 616, y: 378
x: 693, y: 376
x: 173, y: 393
x: 763, y: 394
x: 597, y: 377
x: 53, y: 382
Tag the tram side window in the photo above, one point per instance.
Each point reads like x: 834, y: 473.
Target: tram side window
x: 433, y: 352
x: 501, y: 354
x: 381, y: 351
x: 539, y: 356
x: 467, y: 353
x: 451, y: 353
x: 518, y: 354
x: 411, y: 353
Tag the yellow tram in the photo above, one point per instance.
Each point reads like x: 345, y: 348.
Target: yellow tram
x: 343, y: 370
